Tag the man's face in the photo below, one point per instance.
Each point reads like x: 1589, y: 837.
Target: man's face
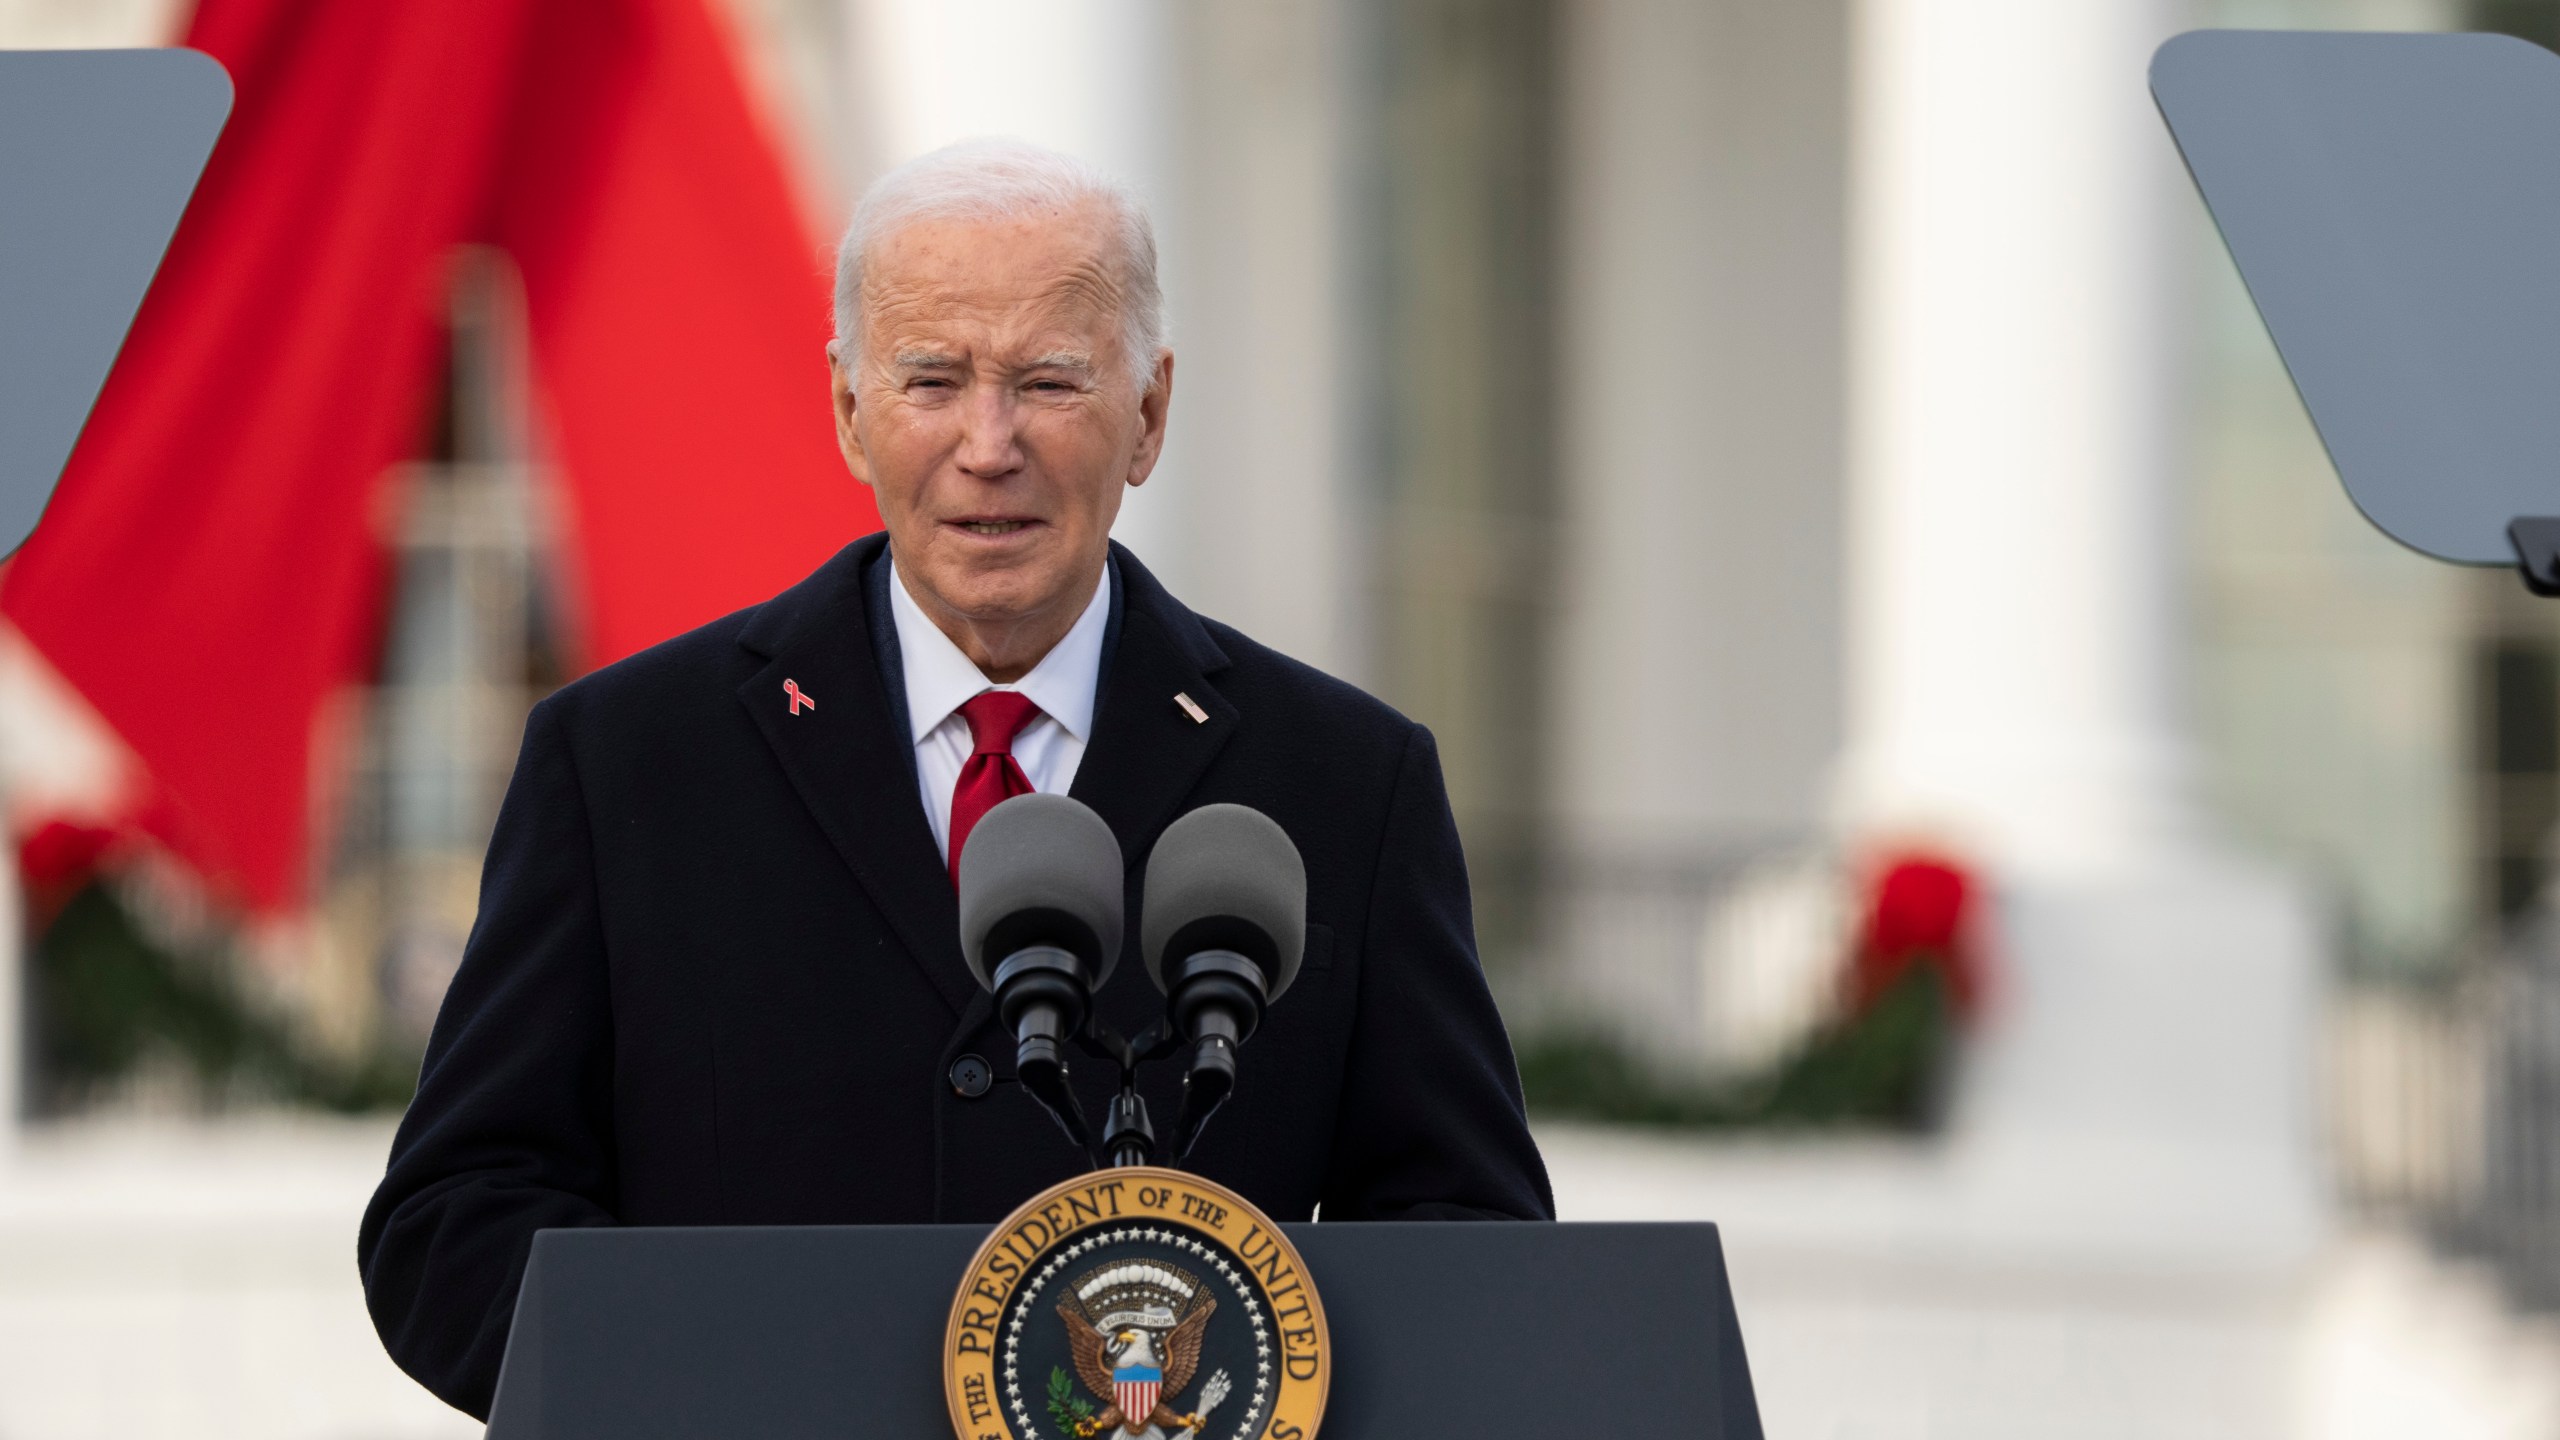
x: 992, y: 413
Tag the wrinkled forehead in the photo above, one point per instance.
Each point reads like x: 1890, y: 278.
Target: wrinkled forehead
x: 1042, y: 278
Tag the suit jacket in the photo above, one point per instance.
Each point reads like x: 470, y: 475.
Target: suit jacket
x: 716, y: 975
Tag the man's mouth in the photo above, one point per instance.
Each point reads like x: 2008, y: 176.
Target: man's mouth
x: 992, y: 527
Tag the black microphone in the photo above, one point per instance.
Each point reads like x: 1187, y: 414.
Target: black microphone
x: 1040, y: 926
x: 1225, y: 928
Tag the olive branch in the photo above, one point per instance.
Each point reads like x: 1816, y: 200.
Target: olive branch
x: 1067, y: 1409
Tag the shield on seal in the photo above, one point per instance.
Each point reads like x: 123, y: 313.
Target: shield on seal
x: 1134, y: 1388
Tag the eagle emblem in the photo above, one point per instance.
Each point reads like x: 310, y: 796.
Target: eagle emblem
x: 1134, y: 1331
x: 1182, y: 1313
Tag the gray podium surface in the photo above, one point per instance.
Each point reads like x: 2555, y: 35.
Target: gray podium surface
x: 99, y: 151
x: 2393, y: 204
x: 1518, y: 1331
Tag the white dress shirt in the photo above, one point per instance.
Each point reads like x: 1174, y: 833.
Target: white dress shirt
x: 940, y: 679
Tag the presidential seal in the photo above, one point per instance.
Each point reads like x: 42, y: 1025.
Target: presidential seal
x: 1136, y: 1304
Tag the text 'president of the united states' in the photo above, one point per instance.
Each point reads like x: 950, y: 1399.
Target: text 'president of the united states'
x: 716, y: 977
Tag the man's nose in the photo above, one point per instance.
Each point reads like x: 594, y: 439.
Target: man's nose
x: 990, y: 441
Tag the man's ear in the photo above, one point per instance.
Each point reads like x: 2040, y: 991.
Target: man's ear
x: 848, y: 434
x: 1155, y: 409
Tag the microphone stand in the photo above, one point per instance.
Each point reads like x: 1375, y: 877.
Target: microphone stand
x: 1128, y: 1134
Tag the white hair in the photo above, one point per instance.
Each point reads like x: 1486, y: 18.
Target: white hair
x: 998, y: 179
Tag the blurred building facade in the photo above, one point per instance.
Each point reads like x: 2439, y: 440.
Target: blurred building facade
x: 1750, y: 436
x: 1756, y: 436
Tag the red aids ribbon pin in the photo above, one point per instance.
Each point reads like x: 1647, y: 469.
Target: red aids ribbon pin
x: 799, y: 697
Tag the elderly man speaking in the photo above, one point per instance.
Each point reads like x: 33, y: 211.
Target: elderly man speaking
x: 716, y: 978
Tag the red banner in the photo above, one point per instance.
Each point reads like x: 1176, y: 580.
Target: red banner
x: 207, y: 574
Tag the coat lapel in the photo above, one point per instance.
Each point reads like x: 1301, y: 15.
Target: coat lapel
x: 848, y: 761
x: 1147, y: 752
x: 855, y: 770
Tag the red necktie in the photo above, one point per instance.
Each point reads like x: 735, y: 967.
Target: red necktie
x: 989, y: 777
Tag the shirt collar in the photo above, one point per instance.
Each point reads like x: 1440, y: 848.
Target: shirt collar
x: 940, y: 679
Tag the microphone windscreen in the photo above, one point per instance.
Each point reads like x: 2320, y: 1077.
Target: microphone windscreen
x: 1226, y: 877
x: 1040, y: 870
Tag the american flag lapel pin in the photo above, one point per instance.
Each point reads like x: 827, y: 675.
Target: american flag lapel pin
x: 799, y: 697
x: 1191, y: 708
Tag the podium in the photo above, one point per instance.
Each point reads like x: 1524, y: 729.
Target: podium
x: 1525, y: 1331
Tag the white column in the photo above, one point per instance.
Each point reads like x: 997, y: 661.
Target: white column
x: 2010, y: 571
x: 2143, y: 1082
x: 1263, y: 419
x: 1700, y: 321
x: 1085, y: 76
